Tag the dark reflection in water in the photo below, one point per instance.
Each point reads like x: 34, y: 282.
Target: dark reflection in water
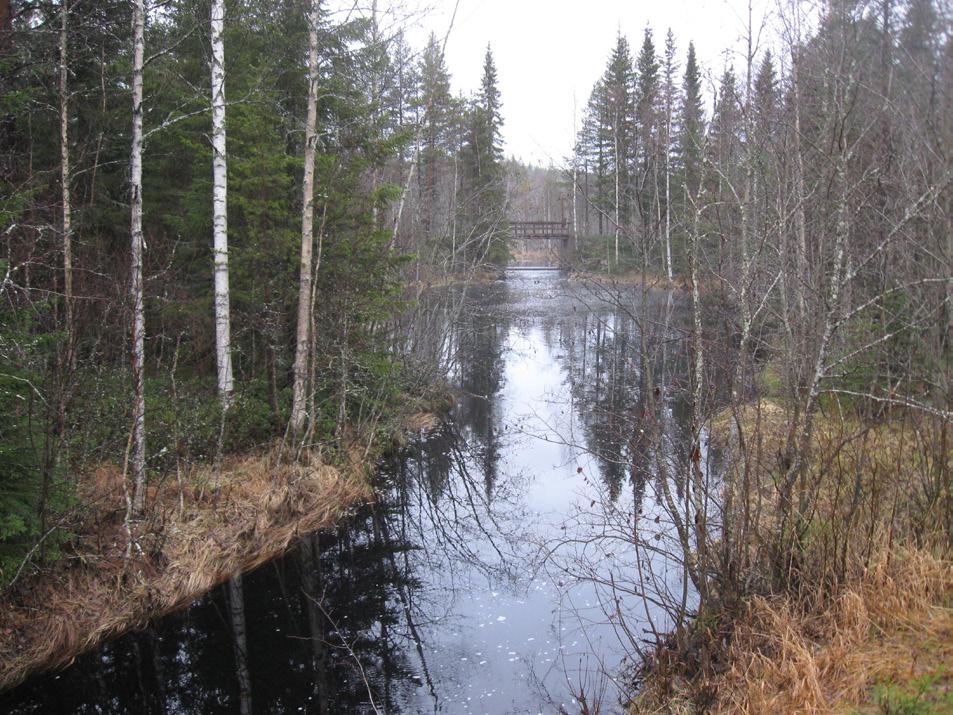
x: 476, y: 581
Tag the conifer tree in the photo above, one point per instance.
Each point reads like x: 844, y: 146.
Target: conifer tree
x: 691, y: 124
x: 490, y: 101
x: 484, y: 193
x: 725, y: 130
x: 647, y: 116
x: 765, y: 107
x: 608, y: 138
x: 595, y: 150
x: 436, y: 110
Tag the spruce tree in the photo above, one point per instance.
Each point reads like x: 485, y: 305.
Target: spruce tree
x: 691, y: 124
x: 484, y: 195
x: 647, y: 126
x: 490, y: 101
x: 594, y: 148
x: 766, y: 101
x: 435, y: 104
x: 608, y: 137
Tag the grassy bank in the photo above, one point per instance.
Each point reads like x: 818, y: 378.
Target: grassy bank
x: 205, y: 525
x: 630, y: 278
x: 867, y: 623
x: 211, y: 528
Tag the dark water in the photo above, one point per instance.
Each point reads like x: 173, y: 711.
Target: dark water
x: 496, y: 572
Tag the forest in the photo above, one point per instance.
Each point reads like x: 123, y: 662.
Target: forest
x: 227, y: 229
x: 349, y: 150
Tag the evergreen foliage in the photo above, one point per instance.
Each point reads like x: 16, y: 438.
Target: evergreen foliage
x: 381, y: 110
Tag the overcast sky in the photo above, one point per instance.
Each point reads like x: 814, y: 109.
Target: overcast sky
x: 550, y: 52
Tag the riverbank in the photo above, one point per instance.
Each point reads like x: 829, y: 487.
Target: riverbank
x: 216, y: 526
x: 630, y: 279
x: 447, y: 280
x: 867, y: 624
x: 204, y: 527
x: 884, y: 644
x: 635, y: 279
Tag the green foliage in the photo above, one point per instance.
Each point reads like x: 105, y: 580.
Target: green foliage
x: 918, y: 697
x: 63, y: 417
x: 880, y: 345
x: 25, y: 480
x: 183, y: 421
x: 20, y: 474
x: 771, y: 383
x: 597, y: 255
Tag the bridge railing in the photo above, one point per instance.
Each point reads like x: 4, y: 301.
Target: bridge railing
x: 539, y: 229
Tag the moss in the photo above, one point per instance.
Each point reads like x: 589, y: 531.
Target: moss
x: 925, y: 695
x: 771, y: 381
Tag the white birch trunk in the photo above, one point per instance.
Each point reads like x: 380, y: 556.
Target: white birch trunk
x: 696, y: 479
x: 65, y: 184
x: 299, y: 398
x: 223, y: 347
x: 135, y: 287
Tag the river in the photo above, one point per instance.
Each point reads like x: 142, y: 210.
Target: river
x: 496, y: 572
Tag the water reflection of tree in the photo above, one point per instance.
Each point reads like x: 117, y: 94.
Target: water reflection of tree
x: 344, y: 620
x: 626, y: 358
x: 456, y: 526
x: 295, y: 656
x: 605, y: 380
x: 480, y: 334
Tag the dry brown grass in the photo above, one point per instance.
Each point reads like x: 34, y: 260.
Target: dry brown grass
x: 784, y: 660
x: 651, y: 281
x: 866, y: 607
x: 218, y: 525
x: 421, y: 422
x: 893, y: 624
x: 867, y: 488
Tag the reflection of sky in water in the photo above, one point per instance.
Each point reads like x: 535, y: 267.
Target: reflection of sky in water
x: 508, y: 628
x: 512, y: 640
x: 478, y: 583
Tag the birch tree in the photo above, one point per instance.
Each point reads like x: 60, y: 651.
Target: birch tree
x: 219, y: 208
x: 299, y: 396
x: 669, y: 97
x: 138, y: 460
x: 66, y: 226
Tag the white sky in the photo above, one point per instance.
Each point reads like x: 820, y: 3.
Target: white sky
x: 549, y: 51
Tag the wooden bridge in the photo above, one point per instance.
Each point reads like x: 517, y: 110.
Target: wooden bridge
x: 541, y: 230
x: 558, y: 233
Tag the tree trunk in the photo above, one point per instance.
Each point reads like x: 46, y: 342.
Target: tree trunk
x: 65, y: 186
x: 307, y: 229
x: 135, y: 289
x: 236, y: 613
x: 223, y: 346
x: 668, y: 189
x: 616, y: 144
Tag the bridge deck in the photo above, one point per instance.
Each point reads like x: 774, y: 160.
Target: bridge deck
x: 512, y: 267
x: 542, y: 230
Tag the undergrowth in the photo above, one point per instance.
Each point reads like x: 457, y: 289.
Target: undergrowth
x: 862, y: 620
